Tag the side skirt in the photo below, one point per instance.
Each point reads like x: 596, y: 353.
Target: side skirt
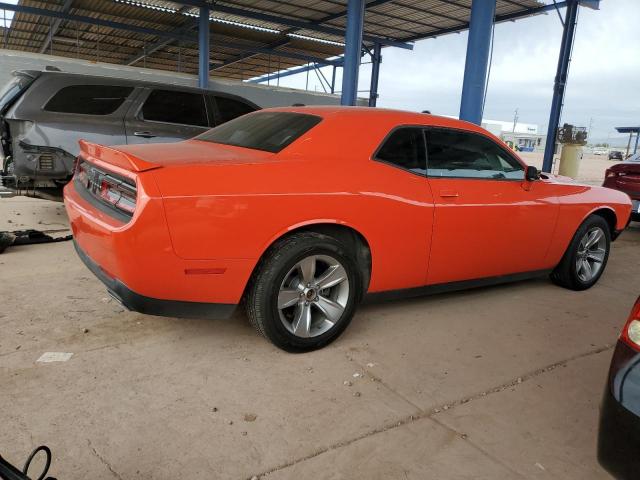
x: 452, y: 286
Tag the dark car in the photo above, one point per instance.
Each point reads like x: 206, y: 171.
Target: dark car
x: 619, y: 437
x: 615, y: 155
x: 625, y: 177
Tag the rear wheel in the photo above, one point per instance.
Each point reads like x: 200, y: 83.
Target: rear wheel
x: 586, y: 258
x: 304, y: 292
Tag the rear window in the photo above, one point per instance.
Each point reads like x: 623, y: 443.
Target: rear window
x: 88, y: 99
x: 268, y: 131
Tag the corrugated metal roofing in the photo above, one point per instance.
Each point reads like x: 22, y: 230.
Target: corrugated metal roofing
x: 247, y: 39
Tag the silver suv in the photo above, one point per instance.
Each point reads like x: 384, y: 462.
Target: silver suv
x: 44, y: 114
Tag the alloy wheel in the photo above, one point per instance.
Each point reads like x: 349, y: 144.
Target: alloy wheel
x: 591, y: 254
x: 313, y: 296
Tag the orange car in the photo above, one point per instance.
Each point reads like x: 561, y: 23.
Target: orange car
x: 303, y: 211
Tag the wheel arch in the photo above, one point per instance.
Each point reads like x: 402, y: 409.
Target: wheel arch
x: 609, y: 216
x: 351, y: 237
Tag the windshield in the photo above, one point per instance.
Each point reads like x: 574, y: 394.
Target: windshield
x: 12, y: 90
x: 268, y: 131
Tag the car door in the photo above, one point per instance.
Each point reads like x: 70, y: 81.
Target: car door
x: 489, y: 221
x: 167, y: 115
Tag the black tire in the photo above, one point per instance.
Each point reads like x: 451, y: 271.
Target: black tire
x: 262, y: 293
x: 566, y: 273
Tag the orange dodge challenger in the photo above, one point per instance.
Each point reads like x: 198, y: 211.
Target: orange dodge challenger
x: 301, y: 212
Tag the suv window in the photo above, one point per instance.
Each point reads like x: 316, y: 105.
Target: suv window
x: 268, y: 131
x: 172, y: 106
x: 457, y: 154
x: 405, y: 149
x: 230, y: 108
x: 88, y: 99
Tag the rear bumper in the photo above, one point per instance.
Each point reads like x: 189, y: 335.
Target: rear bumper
x: 154, y: 306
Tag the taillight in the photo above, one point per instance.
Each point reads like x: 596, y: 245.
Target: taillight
x: 611, y: 174
x: 118, y: 194
x: 631, y: 331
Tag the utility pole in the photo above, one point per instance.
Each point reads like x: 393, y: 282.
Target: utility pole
x: 590, y: 127
x: 515, y: 120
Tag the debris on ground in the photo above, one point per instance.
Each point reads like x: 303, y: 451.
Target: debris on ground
x: 347, y: 383
x: 28, y: 237
x: 48, y: 357
x: 250, y: 417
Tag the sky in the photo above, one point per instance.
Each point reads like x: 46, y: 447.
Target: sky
x: 604, y: 77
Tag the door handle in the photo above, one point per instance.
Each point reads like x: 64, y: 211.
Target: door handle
x: 144, y: 134
x: 448, y: 193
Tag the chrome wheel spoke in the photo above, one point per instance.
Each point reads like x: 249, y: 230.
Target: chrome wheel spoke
x: 586, y: 268
x: 302, y: 321
x: 307, y: 268
x: 288, y: 297
x: 596, y: 255
x: 333, y: 276
x: 332, y: 310
x: 593, y: 238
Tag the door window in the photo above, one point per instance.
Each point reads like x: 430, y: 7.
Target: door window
x: 171, y: 106
x: 457, y: 154
x: 404, y: 148
x: 229, y: 108
x: 88, y: 99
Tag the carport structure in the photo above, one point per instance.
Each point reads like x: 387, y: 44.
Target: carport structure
x: 263, y: 40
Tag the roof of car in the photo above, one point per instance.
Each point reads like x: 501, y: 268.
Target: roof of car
x: 400, y: 117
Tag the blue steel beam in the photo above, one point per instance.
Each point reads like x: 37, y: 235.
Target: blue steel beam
x: 203, y: 48
x: 285, y: 73
x: 477, y: 62
x: 55, y: 26
x: 376, y: 59
x: 352, y: 49
x: 305, y: 25
x: 186, y: 29
x: 560, y: 83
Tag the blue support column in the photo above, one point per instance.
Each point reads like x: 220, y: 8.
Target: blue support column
x: 560, y: 83
x: 352, y: 49
x: 477, y: 62
x: 203, y: 48
x: 376, y: 58
x: 333, y: 80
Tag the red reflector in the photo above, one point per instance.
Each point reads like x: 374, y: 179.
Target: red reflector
x: 204, y: 271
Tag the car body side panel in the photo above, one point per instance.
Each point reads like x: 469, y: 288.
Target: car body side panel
x: 392, y: 209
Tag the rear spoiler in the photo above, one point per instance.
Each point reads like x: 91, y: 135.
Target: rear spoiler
x: 115, y: 157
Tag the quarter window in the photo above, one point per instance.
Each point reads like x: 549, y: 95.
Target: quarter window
x: 452, y: 153
x: 171, y: 106
x: 228, y: 108
x: 404, y: 148
x: 88, y: 99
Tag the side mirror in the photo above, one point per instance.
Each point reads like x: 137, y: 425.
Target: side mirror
x: 531, y: 173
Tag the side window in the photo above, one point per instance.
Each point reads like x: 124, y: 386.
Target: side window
x: 88, y: 99
x: 172, y: 106
x: 230, y: 108
x: 457, y: 154
x: 405, y: 149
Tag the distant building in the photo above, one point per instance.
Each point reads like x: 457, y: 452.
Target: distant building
x: 524, y: 137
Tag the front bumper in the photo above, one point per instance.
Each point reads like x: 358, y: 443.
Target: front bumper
x: 154, y: 306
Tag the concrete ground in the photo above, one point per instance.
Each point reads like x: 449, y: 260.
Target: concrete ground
x: 494, y: 383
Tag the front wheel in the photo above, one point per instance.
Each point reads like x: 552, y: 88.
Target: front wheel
x: 586, y: 258
x: 304, y: 292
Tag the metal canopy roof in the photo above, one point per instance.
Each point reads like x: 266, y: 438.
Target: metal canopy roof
x: 628, y: 129
x: 249, y: 38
